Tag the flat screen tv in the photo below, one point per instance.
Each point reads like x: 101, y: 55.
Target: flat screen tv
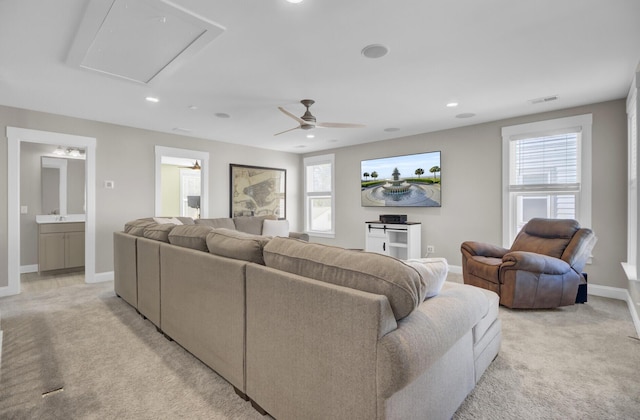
x: 401, y: 181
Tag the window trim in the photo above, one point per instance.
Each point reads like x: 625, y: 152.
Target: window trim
x: 579, y: 123
x: 317, y: 160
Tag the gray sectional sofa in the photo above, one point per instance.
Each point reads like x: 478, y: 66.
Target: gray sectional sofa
x: 309, y: 331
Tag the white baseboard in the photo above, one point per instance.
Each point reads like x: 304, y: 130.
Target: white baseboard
x: 32, y: 268
x: 607, y: 291
x: 100, y: 277
x: 455, y: 269
x: 620, y: 294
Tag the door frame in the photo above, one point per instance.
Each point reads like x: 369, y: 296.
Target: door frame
x: 15, y: 136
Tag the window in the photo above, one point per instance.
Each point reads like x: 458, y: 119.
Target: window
x: 546, y: 172
x: 319, y: 206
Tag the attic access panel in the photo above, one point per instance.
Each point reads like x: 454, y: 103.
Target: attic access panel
x: 139, y: 39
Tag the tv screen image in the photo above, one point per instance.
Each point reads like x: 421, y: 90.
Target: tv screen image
x: 401, y: 181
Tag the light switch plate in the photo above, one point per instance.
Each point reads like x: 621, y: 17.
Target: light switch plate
x: 24, y: 209
x: 109, y: 184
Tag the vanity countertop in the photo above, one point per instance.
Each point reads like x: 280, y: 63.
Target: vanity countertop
x: 56, y: 218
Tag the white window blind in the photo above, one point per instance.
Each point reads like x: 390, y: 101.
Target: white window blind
x: 544, y: 166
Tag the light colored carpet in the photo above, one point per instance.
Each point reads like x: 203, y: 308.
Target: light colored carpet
x: 576, y: 362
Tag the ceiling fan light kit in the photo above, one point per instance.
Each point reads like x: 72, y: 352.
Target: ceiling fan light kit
x: 308, y: 120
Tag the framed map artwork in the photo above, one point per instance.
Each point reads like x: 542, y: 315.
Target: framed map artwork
x: 257, y: 191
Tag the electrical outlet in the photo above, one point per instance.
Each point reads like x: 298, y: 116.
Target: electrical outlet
x: 431, y: 249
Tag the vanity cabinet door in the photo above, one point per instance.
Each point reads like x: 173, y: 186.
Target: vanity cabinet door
x: 74, y: 249
x: 52, y: 251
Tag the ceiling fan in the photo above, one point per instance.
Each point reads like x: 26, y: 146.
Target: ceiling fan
x: 308, y: 121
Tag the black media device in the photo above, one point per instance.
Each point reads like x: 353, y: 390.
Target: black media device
x: 393, y: 218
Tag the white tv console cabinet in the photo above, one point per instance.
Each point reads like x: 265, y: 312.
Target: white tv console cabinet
x: 400, y: 240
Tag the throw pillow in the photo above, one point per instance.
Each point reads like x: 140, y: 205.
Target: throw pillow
x: 166, y: 220
x: 433, y: 271
x: 275, y: 228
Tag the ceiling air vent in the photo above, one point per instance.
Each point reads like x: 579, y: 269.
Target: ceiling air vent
x: 543, y: 100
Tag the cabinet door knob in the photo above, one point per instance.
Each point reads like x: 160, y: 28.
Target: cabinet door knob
x: 384, y: 246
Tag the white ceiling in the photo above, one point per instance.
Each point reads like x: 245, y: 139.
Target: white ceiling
x: 491, y: 56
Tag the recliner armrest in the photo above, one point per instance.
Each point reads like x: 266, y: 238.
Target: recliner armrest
x: 534, y: 263
x: 483, y: 250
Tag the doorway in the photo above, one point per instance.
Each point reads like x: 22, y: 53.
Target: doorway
x: 182, y: 178
x: 15, y: 137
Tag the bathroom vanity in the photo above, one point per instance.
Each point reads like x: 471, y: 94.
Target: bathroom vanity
x: 60, y: 244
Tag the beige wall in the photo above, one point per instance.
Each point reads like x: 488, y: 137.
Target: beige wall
x: 126, y: 156
x: 471, y: 188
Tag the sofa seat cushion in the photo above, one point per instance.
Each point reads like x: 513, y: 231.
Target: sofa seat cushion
x: 252, y: 224
x: 370, y: 272
x: 220, y: 222
x: 159, y: 232
x: 238, y: 245
x: 190, y: 236
x: 484, y: 267
x: 136, y: 227
x: 481, y: 328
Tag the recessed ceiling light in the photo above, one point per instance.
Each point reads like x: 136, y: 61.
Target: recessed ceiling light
x: 222, y: 115
x: 391, y: 129
x: 193, y: 107
x: 375, y: 51
x: 333, y: 141
x: 300, y: 146
x: 466, y: 115
x: 294, y: 1
x: 452, y: 104
x: 152, y: 99
x: 181, y: 130
x: 310, y: 136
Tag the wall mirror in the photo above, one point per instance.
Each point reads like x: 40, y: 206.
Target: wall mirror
x: 63, y: 185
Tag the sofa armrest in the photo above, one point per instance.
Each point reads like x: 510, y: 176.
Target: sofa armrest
x: 423, y: 337
x: 481, y: 249
x: 534, y: 263
x: 299, y: 235
x: 311, y: 345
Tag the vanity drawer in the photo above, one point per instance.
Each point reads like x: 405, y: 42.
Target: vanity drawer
x: 62, y: 227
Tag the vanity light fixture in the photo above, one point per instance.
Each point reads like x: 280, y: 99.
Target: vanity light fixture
x: 59, y: 151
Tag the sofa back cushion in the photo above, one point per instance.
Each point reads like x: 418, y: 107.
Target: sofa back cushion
x: 546, y: 236
x: 238, y: 245
x: 136, y: 227
x: 221, y: 222
x: 190, y: 236
x: 252, y: 224
x: 159, y: 232
x: 374, y: 273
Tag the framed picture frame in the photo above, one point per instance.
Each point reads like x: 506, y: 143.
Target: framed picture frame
x: 257, y: 191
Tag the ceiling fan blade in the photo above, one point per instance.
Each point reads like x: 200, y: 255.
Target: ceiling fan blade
x: 286, y: 131
x: 338, y: 125
x: 300, y: 120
